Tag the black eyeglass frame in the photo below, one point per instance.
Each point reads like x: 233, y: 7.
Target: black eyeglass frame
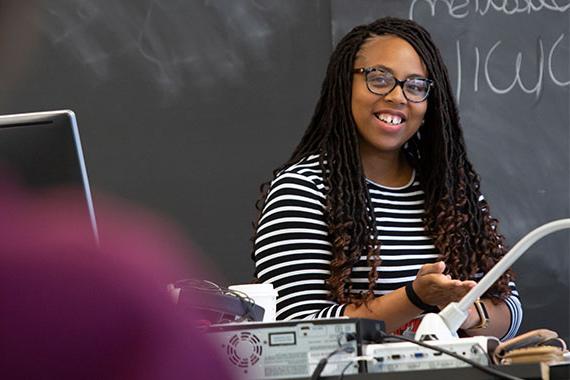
x: 397, y: 82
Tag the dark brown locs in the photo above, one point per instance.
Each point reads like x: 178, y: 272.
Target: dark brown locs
x: 458, y: 220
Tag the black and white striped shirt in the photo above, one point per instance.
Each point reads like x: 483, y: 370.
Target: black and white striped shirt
x: 293, y: 252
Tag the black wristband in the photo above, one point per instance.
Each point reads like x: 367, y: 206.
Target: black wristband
x: 415, y: 299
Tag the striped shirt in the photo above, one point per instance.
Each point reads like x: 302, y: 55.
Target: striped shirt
x: 293, y: 251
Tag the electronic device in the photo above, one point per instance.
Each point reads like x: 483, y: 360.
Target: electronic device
x: 293, y: 349
x: 444, y: 325
x: 213, y: 303
x: 407, y: 356
x: 42, y: 150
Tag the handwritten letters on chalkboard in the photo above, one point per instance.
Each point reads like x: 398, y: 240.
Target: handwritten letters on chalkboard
x: 542, y: 59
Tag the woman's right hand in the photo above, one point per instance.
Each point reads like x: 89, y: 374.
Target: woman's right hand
x: 435, y: 288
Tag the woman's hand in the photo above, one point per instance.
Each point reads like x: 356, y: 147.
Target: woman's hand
x: 435, y: 288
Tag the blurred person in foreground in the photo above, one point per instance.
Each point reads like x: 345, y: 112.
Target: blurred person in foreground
x: 74, y: 310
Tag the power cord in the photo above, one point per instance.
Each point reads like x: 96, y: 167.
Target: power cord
x: 347, y: 347
x: 483, y: 368
x: 356, y: 360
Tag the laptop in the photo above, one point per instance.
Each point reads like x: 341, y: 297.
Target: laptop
x: 43, y: 150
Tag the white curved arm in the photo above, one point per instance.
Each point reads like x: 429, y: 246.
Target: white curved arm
x: 454, y: 314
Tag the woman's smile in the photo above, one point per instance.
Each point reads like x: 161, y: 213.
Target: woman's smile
x: 390, y: 121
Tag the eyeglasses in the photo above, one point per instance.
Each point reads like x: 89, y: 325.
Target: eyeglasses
x: 381, y: 82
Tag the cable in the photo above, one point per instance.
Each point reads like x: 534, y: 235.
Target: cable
x: 207, y: 288
x: 355, y: 360
x: 483, y: 368
x: 346, y: 347
x: 246, y: 302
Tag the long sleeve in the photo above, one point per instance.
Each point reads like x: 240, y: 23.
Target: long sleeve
x: 292, y: 250
x: 515, y: 307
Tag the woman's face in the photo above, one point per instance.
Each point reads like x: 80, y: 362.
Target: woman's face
x: 386, y: 122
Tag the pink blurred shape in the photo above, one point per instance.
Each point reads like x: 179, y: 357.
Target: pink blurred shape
x: 73, y: 310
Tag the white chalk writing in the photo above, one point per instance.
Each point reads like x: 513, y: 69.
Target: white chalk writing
x: 544, y: 68
x: 517, y: 76
x: 462, y: 8
x: 550, y: 70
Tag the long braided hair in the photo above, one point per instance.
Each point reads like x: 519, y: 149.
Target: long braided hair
x: 456, y: 216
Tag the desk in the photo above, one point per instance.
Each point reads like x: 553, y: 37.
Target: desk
x: 524, y: 371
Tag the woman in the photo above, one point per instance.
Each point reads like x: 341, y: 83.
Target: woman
x: 378, y: 213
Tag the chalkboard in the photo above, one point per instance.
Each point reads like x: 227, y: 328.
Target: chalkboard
x: 183, y: 106
x: 187, y: 106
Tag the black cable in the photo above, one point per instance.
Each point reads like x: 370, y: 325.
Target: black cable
x: 483, y: 368
x: 353, y: 361
x: 341, y: 377
x: 346, y: 347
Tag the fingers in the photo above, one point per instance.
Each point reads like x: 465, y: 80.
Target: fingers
x: 435, y: 268
x: 468, y: 284
x: 459, y: 289
x: 436, y: 288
